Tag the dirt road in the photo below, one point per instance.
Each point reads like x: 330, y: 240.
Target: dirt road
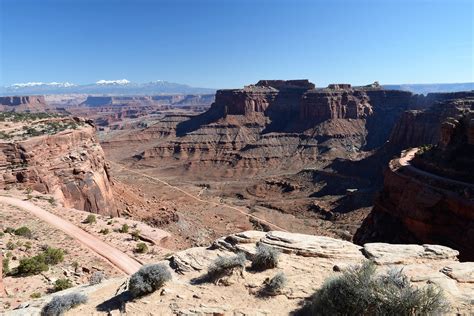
x: 116, y: 257
x: 261, y: 220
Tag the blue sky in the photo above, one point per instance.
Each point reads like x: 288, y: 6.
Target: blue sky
x: 226, y: 43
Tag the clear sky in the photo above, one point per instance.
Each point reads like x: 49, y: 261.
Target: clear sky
x: 226, y: 43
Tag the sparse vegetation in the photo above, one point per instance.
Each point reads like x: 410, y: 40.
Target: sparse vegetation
x: 75, y: 265
x: 124, y: 229
x: 35, y: 295
x: 141, y: 248
x: 9, y: 230
x: 266, y: 257
x: 276, y: 284
x: 148, y: 279
x: 24, y: 232
x: 41, y: 262
x: 52, y: 201
x: 104, y: 231
x: 135, y: 235
x: 90, y: 219
x: 96, y: 278
x: 225, y: 266
x: 360, y: 291
x: 11, y: 245
x: 5, y: 266
x: 62, y: 284
x: 28, y: 245
x: 61, y: 304
x: 32, y: 266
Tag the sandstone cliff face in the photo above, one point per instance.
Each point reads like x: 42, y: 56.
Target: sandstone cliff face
x: 281, y: 124
x: 35, y: 103
x: 307, y: 261
x: 429, y: 198
x: 70, y: 165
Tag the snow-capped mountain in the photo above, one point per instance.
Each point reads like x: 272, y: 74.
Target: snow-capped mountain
x: 115, y: 87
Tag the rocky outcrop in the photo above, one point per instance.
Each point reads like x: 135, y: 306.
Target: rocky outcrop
x: 281, y: 124
x: 429, y: 197
x: 307, y: 262
x: 70, y: 165
x: 34, y: 103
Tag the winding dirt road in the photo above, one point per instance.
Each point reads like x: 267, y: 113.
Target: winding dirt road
x: 116, y: 257
x: 261, y: 220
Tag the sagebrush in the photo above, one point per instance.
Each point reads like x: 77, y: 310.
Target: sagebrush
x: 96, y: 278
x: 148, y: 279
x: 61, y: 304
x: 361, y: 291
x: 276, y: 284
x: 265, y: 257
x: 225, y: 266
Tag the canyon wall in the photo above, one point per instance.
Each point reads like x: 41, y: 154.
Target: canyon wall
x: 429, y: 198
x: 70, y: 165
x: 35, y: 103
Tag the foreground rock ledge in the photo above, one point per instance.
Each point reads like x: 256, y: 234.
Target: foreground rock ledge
x: 306, y: 260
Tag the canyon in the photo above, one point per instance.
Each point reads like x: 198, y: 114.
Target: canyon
x: 350, y: 166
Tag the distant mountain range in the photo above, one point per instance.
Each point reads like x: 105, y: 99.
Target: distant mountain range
x: 431, y: 87
x: 125, y: 87
x: 108, y: 87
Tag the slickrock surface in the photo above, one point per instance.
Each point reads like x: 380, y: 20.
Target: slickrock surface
x: 64, y: 160
x: 306, y: 261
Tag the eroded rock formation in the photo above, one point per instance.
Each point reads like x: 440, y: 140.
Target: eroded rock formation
x: 34, y: 103
x: 70, y: 165
x: 306, y: 260
x: 429, y: 198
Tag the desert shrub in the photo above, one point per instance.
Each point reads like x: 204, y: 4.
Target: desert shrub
x: 96, y: 278
x: 141, y: 248
x: 35, y: 295
x: 23, y: 231
x: 5, y: 266
x: 360, y: 291
x: 62, y: 284
x: 104, y: 231
x: 90, y: 219
x: 28, y: 245
x: 9, y: 230
x: 135, y: 235
x: 53, y: 255
x: 148, y: 279
x: 2, y: 234
x: 275, y: 284
x: 32, y: 266
x: 61, y: 304
x: 266, y: 257
x: 11, y: 245
x: 225, y: 266
x: 124, y: 229
x: 75, y: 265
x: 52, y: 201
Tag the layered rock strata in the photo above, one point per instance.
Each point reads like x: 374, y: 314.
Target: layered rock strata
x: 70, y: 165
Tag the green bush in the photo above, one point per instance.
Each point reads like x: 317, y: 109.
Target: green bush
x: 28, y: 245
x: 32, y: 266
x: 225, y: 266
x: 11, y: 245
x: 90, y: 219
x: 62, y: 284
x: 53, y: 256
x: 148, y: 279
x: 35, y: 295
x: 266, y: 257
x: 141, y: 248
x: 124, y: 229
x: 23, y: 231
x: 360, y: 291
